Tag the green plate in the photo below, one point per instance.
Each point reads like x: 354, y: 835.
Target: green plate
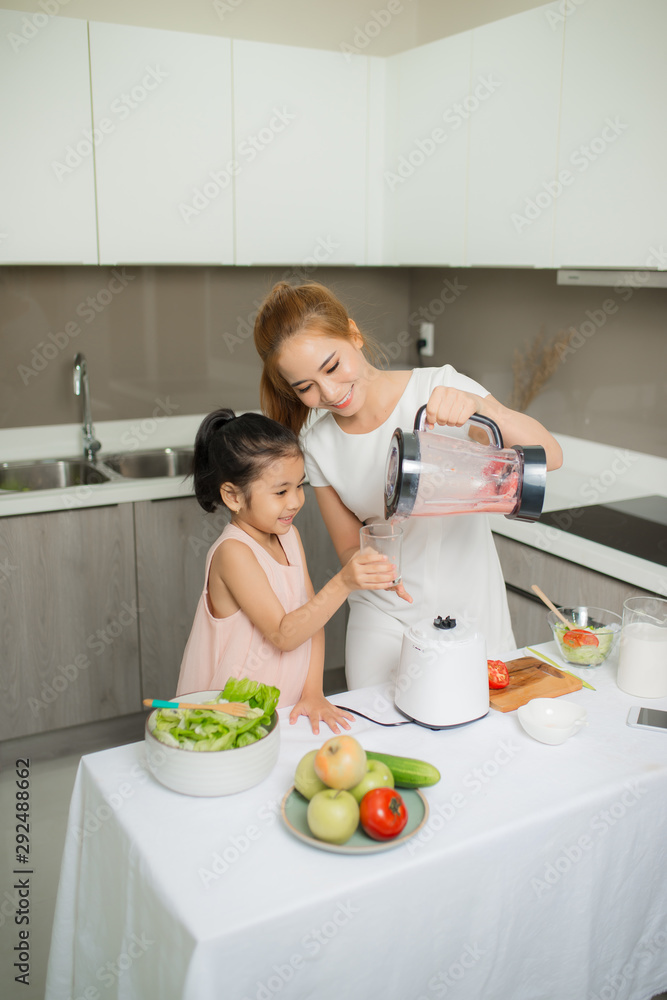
x: 295, y: 806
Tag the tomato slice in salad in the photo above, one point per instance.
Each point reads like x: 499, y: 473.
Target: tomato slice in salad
x: 576, y: 637
x: 499, y: 675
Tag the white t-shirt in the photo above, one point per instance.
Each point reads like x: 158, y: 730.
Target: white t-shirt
x: 450, y: 565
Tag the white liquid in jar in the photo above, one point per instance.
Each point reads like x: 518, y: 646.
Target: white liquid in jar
x: 642, y: 664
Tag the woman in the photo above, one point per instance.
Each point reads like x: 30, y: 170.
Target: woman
x: 316, y: 359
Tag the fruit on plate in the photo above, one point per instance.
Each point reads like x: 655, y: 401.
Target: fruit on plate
x: 499, y: 676
x: 305, y: 780
x: 407, y: 771
x: 378, y: 775
x: 340, y: 762
x: 383, y: 813
x: 333, y: 815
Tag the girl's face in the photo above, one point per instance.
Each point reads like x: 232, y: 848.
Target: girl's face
x: 329, y: 373
x: 276, y: 496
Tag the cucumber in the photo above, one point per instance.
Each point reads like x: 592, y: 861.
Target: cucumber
x: 408, y: 772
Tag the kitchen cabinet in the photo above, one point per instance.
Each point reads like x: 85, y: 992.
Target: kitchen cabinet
x: 516, y: 64
x: 428, y: 95
x: 46, y: 152
x: 68, y: 619
x: 172, y: 540
x: 164, y: 157
x: 566, y: 583
x: 613, y: 141
x: 300, y: 123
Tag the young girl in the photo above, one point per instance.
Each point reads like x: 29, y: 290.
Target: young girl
x: 315, y: 358
x: 258, y: 615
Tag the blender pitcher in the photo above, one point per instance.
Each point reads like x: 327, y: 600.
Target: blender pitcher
x: 429, y: 474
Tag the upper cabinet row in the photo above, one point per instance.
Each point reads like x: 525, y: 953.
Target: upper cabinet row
x: 536, y: 140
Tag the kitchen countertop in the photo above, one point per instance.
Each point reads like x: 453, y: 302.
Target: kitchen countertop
x: 592, y: 473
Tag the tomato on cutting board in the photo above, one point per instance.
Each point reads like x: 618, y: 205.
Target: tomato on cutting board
x: 499, y: 675
x: 382, y: 813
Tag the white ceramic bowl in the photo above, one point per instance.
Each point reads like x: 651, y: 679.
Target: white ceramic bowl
x: 551, y: 720
x: 218, y: 772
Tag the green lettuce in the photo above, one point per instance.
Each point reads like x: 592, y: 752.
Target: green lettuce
x: 202, y: 730
x: 257, y: 695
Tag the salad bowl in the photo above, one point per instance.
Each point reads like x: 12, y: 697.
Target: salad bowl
x: 591, y: 635
x: 213, y: 772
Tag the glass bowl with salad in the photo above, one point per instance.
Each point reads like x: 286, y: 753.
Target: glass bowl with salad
x: 591, y: 635
x: 206, y: 752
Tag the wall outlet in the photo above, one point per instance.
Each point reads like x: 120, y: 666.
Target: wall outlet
x: 425, y: 342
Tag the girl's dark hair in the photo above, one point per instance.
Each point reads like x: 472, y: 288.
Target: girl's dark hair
x: 231, y: 449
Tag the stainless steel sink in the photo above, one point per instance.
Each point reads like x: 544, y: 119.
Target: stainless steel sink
x: 151, y: 464
x: 49, y: 474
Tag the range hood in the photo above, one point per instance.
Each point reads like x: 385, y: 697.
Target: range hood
x: 638, y: 278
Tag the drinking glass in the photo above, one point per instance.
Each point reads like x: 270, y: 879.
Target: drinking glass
x: 642, y: 660
x: 386, y: 539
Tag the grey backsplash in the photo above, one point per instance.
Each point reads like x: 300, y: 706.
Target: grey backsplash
x: 179, y: 339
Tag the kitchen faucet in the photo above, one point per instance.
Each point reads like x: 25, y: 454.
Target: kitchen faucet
x: 81, y: 388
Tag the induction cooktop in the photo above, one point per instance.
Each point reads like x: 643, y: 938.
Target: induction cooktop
x: 637, y: 526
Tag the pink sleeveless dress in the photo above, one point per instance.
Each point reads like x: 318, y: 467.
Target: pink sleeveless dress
x: 219, y: 648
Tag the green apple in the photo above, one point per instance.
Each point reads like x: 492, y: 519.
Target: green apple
x: 378, y: 775
x: 333, y: 815
x: 305, y: 779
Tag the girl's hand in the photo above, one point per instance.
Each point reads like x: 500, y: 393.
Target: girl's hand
x: 318, y: 709
x: 368, y: 570
x: 451, y: 406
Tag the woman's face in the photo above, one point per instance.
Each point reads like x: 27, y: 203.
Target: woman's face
x: 329, y: 373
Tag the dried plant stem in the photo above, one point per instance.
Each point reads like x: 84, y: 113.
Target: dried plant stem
x: 534, y: 365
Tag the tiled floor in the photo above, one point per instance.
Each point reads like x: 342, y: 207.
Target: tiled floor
x: 51, y: 788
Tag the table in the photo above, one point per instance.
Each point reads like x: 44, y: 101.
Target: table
x: 540, y: 874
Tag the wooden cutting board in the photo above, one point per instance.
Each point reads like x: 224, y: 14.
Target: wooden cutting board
x: 532, y: 678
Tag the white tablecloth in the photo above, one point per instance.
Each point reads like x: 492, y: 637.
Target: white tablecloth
x: 541, y: 875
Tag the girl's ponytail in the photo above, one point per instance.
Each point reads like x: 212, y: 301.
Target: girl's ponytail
x: 205, y: 462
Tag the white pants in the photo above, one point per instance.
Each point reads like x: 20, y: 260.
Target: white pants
x: 372, y: 646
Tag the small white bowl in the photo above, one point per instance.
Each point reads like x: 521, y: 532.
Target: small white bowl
x: 217, y: 772
x: 551, y: 720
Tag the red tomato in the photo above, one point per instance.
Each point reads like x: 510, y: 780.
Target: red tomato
x: 576, y: 637
x: 499, y: 675
x: 382, y: 813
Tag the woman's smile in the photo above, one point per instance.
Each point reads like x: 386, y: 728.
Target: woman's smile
x: 345, y: 401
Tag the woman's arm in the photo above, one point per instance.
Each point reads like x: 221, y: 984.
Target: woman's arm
x: 342, y: 525
x: 451, y: 406
x: 236, y: 572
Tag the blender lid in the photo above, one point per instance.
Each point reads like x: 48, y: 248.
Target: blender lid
x: 430, y: 631
x: 401, y: 474
x: 533, y: 483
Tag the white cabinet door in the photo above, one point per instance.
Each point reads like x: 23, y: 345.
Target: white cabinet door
x: 613, y: 136
x: 164, y: 162
x: 300, y: 124
x: 512, y: 183
x: 47, y: 214
x: 428, y: 117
